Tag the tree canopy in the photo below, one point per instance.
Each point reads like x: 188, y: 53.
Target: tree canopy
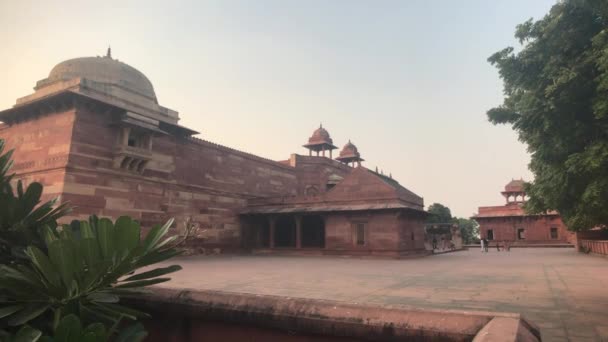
x: 556, y: 99
x: 439, y: 213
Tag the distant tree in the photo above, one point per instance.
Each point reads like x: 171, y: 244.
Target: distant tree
x: 439, y: 213
x: 469, y: 230
x: 556, y: 98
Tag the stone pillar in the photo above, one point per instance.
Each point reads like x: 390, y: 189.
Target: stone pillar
x: 298, y: 231
x: 330, y: 154
x: 272, y: 221
x: 125, y: 135
x: 323, y: 149
x: 309, y: 152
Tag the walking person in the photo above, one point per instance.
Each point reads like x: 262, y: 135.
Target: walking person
x: 485, y: 245
x: 481, y: 243
x: 497, y: 247
x: 434, y: 243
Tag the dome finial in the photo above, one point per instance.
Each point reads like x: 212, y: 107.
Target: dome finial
x: 321, y: 125
x: 109, y: 53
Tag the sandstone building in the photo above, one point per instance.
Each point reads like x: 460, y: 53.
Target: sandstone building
x: 94, y: 134
x: 510, y: 223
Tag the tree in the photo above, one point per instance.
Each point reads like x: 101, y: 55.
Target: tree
x: 556, y: 98
x: 439, y: 213
x: 469, y: 230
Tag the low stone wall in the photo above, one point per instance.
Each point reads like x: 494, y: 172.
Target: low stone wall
x: 185, y: 315
x: 594, y: 246
x: 584, y: 239
x: 538, y: 245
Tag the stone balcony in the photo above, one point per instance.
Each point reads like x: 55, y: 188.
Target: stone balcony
x: 133, y: 159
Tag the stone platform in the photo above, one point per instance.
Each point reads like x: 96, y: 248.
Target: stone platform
x: 560, y: 290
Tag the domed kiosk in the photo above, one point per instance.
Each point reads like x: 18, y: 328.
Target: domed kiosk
x: 320, y: 141
x: 350, y: 154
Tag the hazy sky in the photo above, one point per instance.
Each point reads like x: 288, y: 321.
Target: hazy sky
x: 407, y: 81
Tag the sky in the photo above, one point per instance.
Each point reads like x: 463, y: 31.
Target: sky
x: 407, y: 81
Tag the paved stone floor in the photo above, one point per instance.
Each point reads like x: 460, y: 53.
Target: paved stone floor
x: 563, y: 292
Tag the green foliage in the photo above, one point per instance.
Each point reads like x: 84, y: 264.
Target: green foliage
x: 556, y: 98
x: 21, y: 214
x: 439, y: 214
x: 70, y: 329
x: 84, y: 272
x: 55, y: 279
x: 469, y: 230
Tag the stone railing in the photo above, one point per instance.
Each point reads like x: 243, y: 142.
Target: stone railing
x: 594, y: 246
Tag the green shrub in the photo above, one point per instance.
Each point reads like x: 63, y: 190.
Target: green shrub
x: 57, y: 278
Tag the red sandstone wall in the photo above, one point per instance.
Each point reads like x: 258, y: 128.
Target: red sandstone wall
x: 411, y: 224
x: 538, y: 229
x: 315, y: 171
x: 41, y: 149
x: 186, y: 178
x: 382, y: 232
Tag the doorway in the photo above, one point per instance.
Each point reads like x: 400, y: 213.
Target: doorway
x: 313, y: 232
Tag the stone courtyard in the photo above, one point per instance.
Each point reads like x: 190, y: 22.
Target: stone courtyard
x: 563, y: 292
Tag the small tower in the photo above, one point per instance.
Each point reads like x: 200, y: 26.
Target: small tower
x: 320, y: 141
x: 515, y: 190
x: 350, y: 155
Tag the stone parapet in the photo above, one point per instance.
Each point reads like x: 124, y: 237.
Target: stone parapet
x: 176, y: 314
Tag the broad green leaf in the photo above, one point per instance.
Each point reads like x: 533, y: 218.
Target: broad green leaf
x: 155, y: 257
x: 126, y: 233
x: 48, y: 234
x: 44, y: 265
x: 28, y: 313
x: 18, y: 287
x: 31, y: 197
x: 27, y: 334
x: 95, y: 332
x: 105, y: 235
x: 123, y: 310
x: 166, y: 241
x: 62, y: 255
x: 9, y: 310
x: 86, y: 232
x: 67, y: 233
x: 154, y: 273
x: 89, y: 249
x: 69, y: 329
x: 142, y: 283
x: 93, y: 313
x: 92, y: 337
x: 155, y: 234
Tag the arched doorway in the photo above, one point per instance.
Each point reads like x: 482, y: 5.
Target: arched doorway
x: 285, y: 232
x: 313, y: 232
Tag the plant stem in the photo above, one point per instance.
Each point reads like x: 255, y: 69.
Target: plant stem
x: 56, y: 318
